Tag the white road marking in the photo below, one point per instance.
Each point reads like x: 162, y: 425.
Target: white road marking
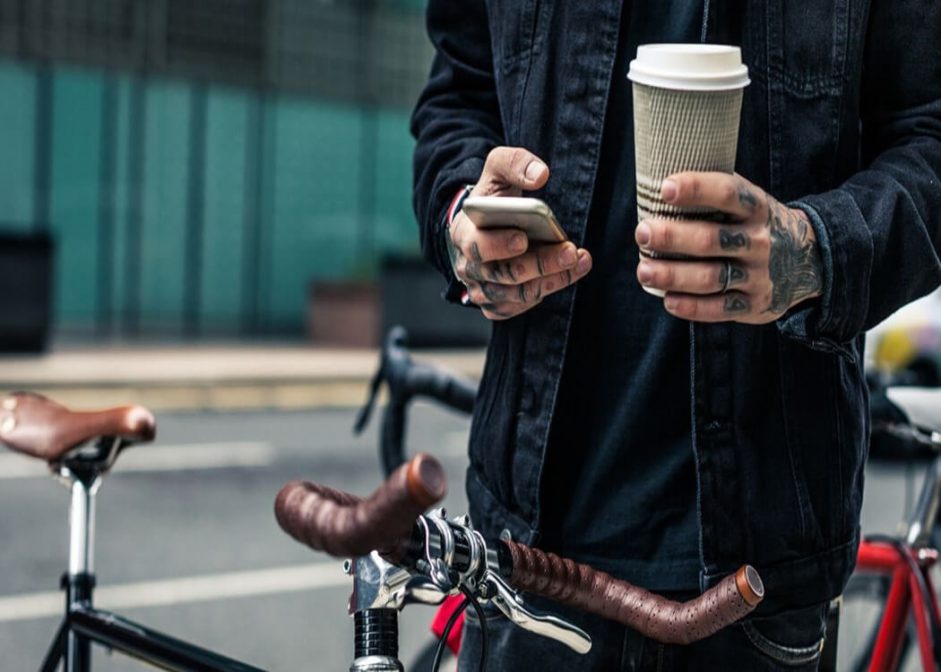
x: 178, y: 457
x: 183, y: 590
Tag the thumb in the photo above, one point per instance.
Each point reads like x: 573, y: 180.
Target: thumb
x: 515, y: 167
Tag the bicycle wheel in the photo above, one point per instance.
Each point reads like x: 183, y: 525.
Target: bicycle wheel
x: 864, y: 602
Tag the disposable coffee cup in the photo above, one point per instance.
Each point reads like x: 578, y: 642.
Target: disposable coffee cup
x: 687, y: 107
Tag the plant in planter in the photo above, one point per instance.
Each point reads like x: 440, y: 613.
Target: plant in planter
x: 345, y: 312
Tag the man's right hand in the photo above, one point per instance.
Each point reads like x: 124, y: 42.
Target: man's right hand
x: 503, y: 277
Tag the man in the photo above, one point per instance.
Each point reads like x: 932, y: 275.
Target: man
x: 667, y: 441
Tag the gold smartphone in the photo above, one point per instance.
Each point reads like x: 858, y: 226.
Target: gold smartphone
x: 530, y: 215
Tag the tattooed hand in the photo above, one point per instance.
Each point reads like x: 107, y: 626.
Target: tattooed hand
x: 503, y: 277
x: 765, y: 255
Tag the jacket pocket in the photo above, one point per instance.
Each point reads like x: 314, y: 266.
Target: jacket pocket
x: 513, y: 32
x: 815, y: 397
x: 791, y: 639
x: 807, y: 45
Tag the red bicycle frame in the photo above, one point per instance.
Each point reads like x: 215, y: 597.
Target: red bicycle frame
x: 905, y: 596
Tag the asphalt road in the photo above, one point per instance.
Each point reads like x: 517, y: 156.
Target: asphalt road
x: 198, y: 505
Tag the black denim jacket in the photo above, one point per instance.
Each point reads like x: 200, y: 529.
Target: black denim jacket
x: 842, y: 118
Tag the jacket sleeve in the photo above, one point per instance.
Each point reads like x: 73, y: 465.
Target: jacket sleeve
x: 880, y: 232
x: 456, y: 121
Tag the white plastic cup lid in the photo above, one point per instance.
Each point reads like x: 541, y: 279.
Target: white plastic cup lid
x: 689, y: 67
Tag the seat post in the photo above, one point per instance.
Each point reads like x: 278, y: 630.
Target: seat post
x: 79, y: 582
x: 82, y: 524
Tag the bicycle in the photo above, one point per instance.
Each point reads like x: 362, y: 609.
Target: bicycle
x: 80, y: 449
x: 405, y: 381
x: 424, y: 558
x: 434, y: 556
x: 893, y: 576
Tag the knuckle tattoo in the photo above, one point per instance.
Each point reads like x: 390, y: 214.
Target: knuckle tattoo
x: 746, y: 198
x: 491, y: 292
x: 736, y: 304
x: 732, y: 239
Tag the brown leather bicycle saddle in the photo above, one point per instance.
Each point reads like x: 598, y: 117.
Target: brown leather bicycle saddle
x: 35, y: 425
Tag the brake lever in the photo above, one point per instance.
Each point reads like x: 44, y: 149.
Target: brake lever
x: 511, y: 604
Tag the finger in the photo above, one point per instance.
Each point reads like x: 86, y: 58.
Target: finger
x: 483, y: 245
x: 721, y: 191
x: 691, y: 277
x: 510, y: 170
x: 536, y: 290
x: 537, y: 262
x: 502, y: 297
x: 701, y: 239
x: 490, y: 309
x: 733, y: 306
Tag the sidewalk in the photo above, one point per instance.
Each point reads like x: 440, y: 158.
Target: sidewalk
x: 197, y: 377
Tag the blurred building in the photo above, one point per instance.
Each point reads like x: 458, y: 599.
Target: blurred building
x: 199, y: 162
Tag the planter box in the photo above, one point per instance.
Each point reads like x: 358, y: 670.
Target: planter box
x: 344, y: 314
x: 25, y: 291
x: 411, y: 297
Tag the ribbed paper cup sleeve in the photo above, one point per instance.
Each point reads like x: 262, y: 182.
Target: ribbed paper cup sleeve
x: 676, y: 131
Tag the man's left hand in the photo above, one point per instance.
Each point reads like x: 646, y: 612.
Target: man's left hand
x: 751, y: 268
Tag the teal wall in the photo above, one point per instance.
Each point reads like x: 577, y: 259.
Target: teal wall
x: 334, y: 196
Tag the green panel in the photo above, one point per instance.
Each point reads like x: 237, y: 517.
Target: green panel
x: 225, y: 184
x: 75, y: 182
x: 395, y: 227
x: 17, y: 131
x: 164, y: 232
x: 315, y: 206
x: 120, y: 196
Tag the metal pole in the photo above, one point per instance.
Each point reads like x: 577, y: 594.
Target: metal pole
x: 82, y: 526
x: 81, y: 563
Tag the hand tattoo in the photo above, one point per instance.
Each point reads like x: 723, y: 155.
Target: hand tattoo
x: 794, y: 264
x: 494, y: 293
x: 733, y: 240
x: 735, y: 304
x: 746, y: 198
x: 732, y: 274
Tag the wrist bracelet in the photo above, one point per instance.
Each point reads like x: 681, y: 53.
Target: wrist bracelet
x: 457, y: 202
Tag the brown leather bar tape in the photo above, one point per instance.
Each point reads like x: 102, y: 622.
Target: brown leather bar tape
x: 664, y: 620
x: 344, y: 525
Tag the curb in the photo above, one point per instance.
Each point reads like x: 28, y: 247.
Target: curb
x: 205, y: 379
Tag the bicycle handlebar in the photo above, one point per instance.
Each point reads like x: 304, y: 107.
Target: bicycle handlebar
x: 406, y: 379
x: 663, y: 620
x: 344, y: 525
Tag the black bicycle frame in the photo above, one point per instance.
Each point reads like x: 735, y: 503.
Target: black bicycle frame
x: 84, y: 625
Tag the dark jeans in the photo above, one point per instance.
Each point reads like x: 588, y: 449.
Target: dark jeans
x: 789, y: 641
